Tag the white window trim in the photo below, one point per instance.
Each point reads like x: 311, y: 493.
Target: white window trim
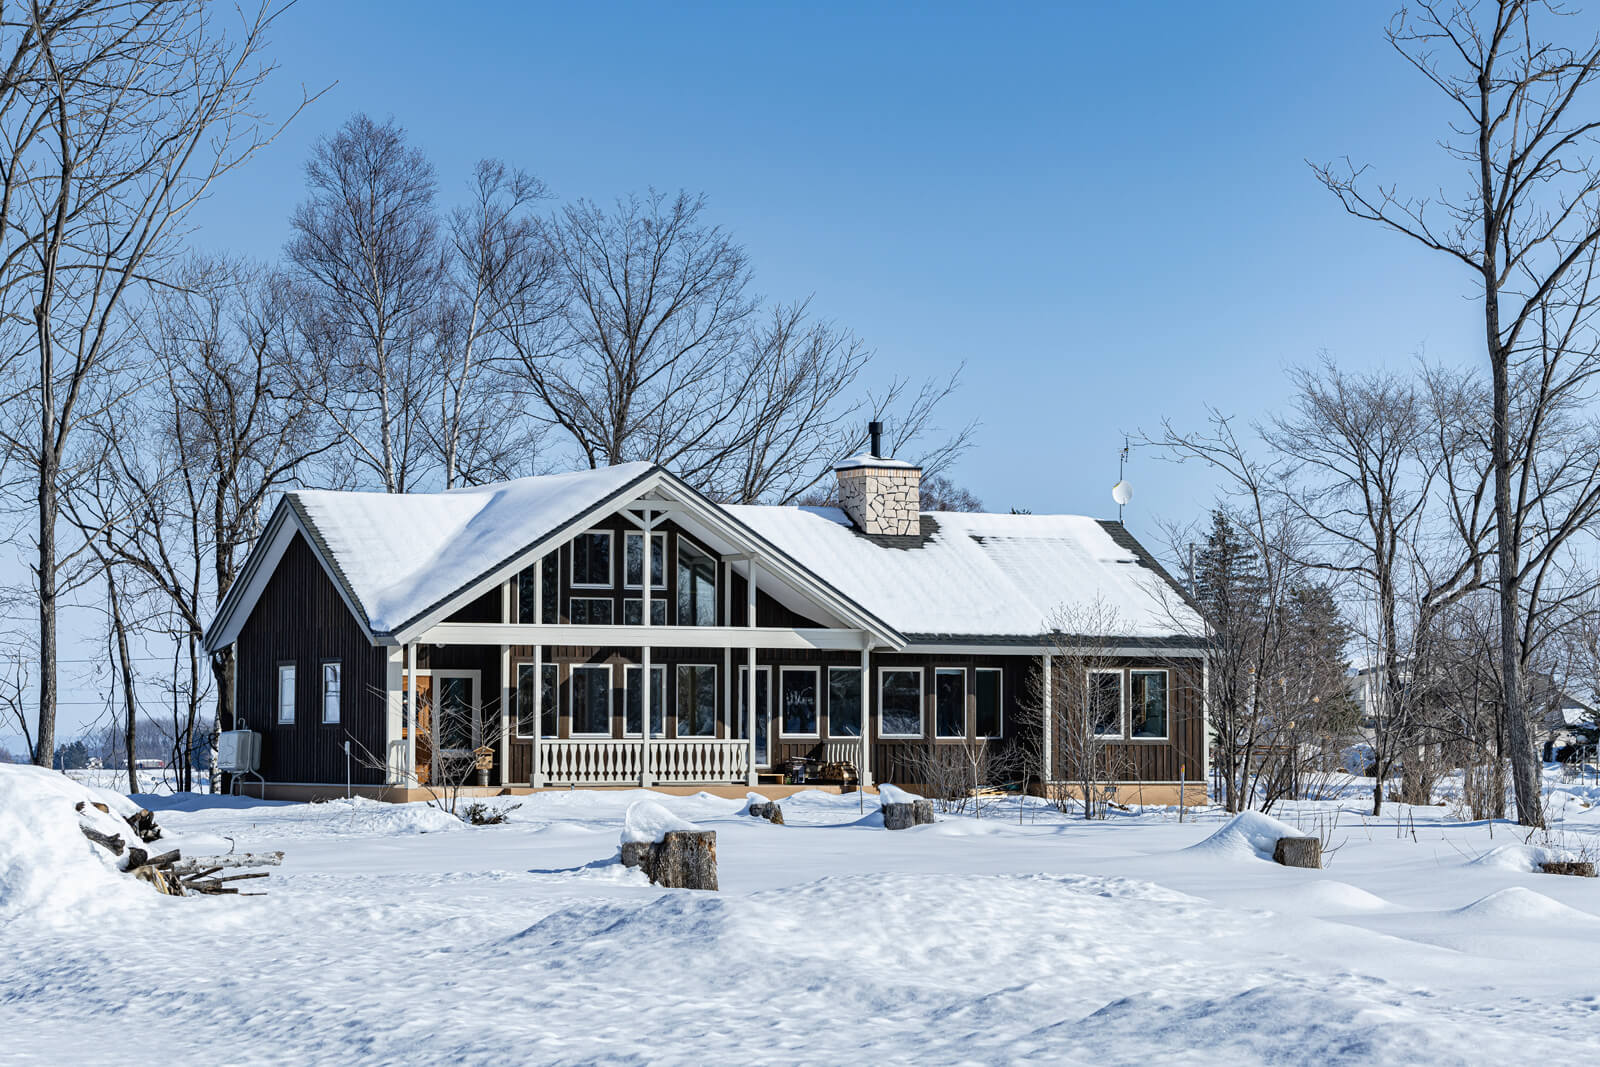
x: 338, y: 706
x: 587, y: 599
x: 1122, y: 699
x: 1148, y: 738
x: 861, y: 699
x: 716, y: 571
x: 666, y: 618
x: 922, y: 710
x: 611, y: 561
x: 677, y: 678
x: 966, y: 726
x: 294, y: 693
x: 572, y: 698
x: 817, y: 698
x: 473, y: 676
x: 638, y: 535
x: 1000, y: 702
x: 628, y: 672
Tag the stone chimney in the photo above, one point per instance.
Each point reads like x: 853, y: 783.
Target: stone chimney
x: 881, y: 496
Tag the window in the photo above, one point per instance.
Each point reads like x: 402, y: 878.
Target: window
x: 632, y: 698
x: 797, y: 700
x: 1147, y: 707
x: 590, y: 610
x: 331, y: 689
x: 591, y: 701
x: 456, y: 725
x: 697, y: 586
x: 633, y: 560
x: 633, y: 611
x: 763, y: 697
x: 1105, y: 703
x: 844, y: 701
x: 950, y: 702
x: 591, y: 559
x: 990, y: 722
x: 549, y: 713
x: 532, y: 586
x: 899, y: 702
x: 286, y: 693
x: 697, y: 700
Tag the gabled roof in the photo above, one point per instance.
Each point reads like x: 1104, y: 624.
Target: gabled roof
x: 973, y: 576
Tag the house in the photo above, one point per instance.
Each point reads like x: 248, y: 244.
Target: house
x: 848, y: 642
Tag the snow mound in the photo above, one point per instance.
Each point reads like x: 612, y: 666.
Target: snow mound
x: 376, y: 817
x: 648, y: 822
x: 1324, y: 897
x: 1523, y: 858
x: 1519, y: 904
x: 890, y: 794
x: 49, y: 872
x: 1248, y: 835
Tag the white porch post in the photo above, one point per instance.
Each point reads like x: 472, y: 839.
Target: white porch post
x: 1049, y: 716
x: 536, y: 776
x: 645, y: 581
x: 394, y: 752
x: 750, y: 693
x: 507, y: 693
x: 411, y: 715
x: 864, y: 774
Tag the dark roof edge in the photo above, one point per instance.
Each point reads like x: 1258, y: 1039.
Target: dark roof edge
x: 1124, y: 539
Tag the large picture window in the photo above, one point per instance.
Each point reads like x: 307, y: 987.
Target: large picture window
x: 844, y: 701
x: 332, y: 690
x: 633, y: 611
x: 697, y: 586
x: 1147, y: 708
x: 633, y: 560
x: 591, y: 559
x: 286, y: 693
x: 548, y: 711
x: 797, y: 701
x: 950, y: 702
x: 1105, y: 703
x: 633, y: 701
x: 697, y: 700
x: 987, y: 689
x: 590, y: 610
x: 535, y: 589
x: 591, y: 701
x: 899, y: 702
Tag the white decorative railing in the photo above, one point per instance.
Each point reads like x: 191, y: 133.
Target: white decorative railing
x: 603, y: 761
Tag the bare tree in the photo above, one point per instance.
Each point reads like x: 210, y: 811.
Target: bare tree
x: 370, y: 263
x: 1525, y: 225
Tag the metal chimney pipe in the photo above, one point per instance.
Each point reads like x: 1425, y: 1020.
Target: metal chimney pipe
x: 876, y: 430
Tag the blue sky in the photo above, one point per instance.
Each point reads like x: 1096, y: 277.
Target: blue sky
x: 1103, y: 210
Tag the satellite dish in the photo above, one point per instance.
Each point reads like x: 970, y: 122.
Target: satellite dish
x: 1122, y: 492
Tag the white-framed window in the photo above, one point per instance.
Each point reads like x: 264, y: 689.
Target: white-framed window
x: 989, y: 690
x: 591, y: 610
x: 549, y: 711
x: 286, y: 693
x: 332, y: 690
x: 1105, y: 702
x: 899, y: 702
x: 633, y: 611
x: 589, y: 686
x: 539, y: 590
x: 697, y: 700
x: 633, y: 700
x: 950, y: 702
x: 797, y: 702
x: 591, y: 560
x: 633, y: 560
x: 697, y: 585
x: 844, y: 701
x: 740, y: 726
x: 1148, y: 703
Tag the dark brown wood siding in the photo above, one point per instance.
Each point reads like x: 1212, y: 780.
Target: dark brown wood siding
x: 301, y: 619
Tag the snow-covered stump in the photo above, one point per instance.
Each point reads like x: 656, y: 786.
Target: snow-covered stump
x: 762, y: 808
x: 1298, y: 852
x: 672, y: 852
x: 902, y: 810
x: 1576, y: 868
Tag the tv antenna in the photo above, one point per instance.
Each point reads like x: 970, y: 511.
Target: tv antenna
x: 1122, y: 492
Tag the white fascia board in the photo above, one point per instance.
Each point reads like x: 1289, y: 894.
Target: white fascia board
x: 1129, y: 652
x: 515, y: 633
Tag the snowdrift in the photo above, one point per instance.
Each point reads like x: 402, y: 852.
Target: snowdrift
x: 49, y: 872
x: 1248, y: 835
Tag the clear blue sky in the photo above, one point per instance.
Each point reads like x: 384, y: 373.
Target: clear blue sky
x: 1102, y: 209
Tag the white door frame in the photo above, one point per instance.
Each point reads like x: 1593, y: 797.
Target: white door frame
x: 476, y: 676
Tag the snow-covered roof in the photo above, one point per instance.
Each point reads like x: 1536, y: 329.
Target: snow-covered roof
x: 399, y: 554
x: 974, y: 574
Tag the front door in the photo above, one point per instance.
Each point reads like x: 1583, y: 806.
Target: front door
x: 763, y: 713
x: 447, y: 718
x: 424, y: 765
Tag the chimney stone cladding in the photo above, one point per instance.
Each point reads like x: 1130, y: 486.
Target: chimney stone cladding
x: 881, y: 496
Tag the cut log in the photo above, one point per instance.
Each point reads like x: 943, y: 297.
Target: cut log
x: 768, y: 810
x: 238, y: 859
x: 1576, y: 868
x: 166, y: 859
x: 905, y: 816
x: 1298, y: 852
x: 160, y: 879
x: 143, y: 823
x: 684, y: 859
x: 137, y: 857
x: 635, y: 852
x: 112, y: 842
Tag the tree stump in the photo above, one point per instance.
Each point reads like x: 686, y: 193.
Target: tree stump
x: 1577, y: 868
x: 1298, y: 852
x: 904, y: 816
x: 682, y: 859
x: 635, y: 852
x: 768, y: 810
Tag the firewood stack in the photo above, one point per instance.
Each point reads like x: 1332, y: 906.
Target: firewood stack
x: 167, y: 870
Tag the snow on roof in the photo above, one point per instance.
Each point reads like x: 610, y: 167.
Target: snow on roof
x: 400, y: 554
x: 981, y: 574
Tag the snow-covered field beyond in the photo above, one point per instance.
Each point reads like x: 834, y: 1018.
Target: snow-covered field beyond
x: 398, y: 934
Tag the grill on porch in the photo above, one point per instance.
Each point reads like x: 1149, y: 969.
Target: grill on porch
x: 605, y: 761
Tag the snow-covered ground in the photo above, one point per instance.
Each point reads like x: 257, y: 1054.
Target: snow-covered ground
x: 401, y: 935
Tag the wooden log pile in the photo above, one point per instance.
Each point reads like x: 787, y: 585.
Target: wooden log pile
x: 168, y: 871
